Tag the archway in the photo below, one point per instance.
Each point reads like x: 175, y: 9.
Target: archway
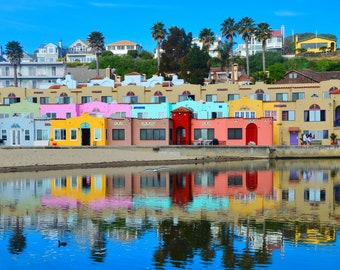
x: 251, y: 134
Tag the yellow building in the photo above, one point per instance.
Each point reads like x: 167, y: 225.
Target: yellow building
x: 315, y: 45
x: 79, y: 131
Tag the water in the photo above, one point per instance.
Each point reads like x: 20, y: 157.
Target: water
x: 236, y: 215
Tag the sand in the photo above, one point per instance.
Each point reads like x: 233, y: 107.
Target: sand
x: 28, y: 159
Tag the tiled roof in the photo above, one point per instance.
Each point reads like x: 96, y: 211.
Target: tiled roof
x: 122, y: 42
x: 276, y: 33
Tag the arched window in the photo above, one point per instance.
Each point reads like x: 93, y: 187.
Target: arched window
x: 95, y: 110
x: 63, y: 94
x: 130, y: 94
x: 186, y: 93
x: 333, y: 89
x: 259, y: 92
x: 158, y: 93
x: 11, y: 95
x: 314, y: 107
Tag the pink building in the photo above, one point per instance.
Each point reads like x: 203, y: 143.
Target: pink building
x: 233, y: 131
x: 59, y: 111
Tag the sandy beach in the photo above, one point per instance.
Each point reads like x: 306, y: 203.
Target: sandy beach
x: 28, y: 159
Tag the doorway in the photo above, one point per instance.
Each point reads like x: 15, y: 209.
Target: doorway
x: 85, y: 136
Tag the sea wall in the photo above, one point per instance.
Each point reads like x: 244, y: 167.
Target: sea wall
x: 254, y: 152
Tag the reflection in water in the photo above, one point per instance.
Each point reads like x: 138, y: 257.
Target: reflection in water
x: 182, y: 217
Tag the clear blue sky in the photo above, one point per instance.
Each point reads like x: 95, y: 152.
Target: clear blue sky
x: 37, y: 22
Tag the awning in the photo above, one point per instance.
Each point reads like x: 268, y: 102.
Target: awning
x: 294, y: 129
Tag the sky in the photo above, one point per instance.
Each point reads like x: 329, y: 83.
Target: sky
x: 35, y: 22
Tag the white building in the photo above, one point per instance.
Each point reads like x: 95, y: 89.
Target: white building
x: 255, y: 46
x: 31, y: 74
x: 49, y: 53
x: 122, y: 47
x: 80, y: 51
x: 212, y: 48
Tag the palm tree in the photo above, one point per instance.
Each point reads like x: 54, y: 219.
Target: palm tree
x: 262, y: 33
x: 207, y: 37
x: 96, y: 43
x: 246, y: 29
x: 229, y: 31
x: 14, y: 54
x: 223, y: 52
x: 158, y: 33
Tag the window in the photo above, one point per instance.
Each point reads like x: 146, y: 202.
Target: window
x: 288, y: 195
x: 106, y: 99
x: 233, y: 97
x: 245, y: 114
x: 97, y: 134
x: 292, y: 75
x: 11, y: 100
x: 130, y: 99
x: 60, y: 134
x: 44, y: 100
x: 4, y: 115
x: 142, y: 115
x: 288, y: 115
x: 315, y: 116
x: 234, y: 133
x: 118, y: 134
x: 298, y: 95
x: 4, y: 134
x: 281, y: 96
x: 272, y: 114
x: 51, y: 115
x: 73, y: 134
x: 86, y: 99
x: 264, y: 97
x: 211, y: 98
x: 118, y: 115
x: 235, y: 180
x: 204, y: 133
x: 27, y: 135
x: 68, y: 115
x: 158, y: 99
x: 32, y: 99
x: 42, y: 135
x: 152, y: 134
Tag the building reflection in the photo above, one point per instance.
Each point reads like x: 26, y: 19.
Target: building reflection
x: 216, y: 205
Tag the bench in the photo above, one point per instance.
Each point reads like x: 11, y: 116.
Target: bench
x: 316, y: 142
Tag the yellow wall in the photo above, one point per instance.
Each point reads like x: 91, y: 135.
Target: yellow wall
x: 76, y: 124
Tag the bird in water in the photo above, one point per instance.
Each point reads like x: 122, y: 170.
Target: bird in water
x: 61, y: 244
x: 157, y: 169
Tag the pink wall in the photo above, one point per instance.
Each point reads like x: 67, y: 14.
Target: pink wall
x: 221, y: 125
x: 60, y: 109
x: 105, y: 109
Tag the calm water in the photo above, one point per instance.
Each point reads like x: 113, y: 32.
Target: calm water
x: 236, y: 215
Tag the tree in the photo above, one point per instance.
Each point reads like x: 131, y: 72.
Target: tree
x: 96, y: 43
x: 175, y: 47
x: 194, y: 67
x: 223, y: 55
x: 263, y: 32
x: 229, y: 31
x: 158, y: 33
x: 207, y: 37
x: 246, y: 29
x: 14, y: 54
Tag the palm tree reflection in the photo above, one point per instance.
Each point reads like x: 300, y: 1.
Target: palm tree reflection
x: 17, y: 242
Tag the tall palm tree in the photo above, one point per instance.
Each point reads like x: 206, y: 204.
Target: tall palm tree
x: 96, y: 43
x: 158, y: 33
x: 246, y: 27
x: 262, y: 33
x: 14, y: 54
x: 229, y: 31
x: 207, y: 37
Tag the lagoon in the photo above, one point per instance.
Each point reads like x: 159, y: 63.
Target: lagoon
x: 226, y: 215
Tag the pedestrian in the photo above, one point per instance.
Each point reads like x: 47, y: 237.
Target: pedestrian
x: 304, y: 138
